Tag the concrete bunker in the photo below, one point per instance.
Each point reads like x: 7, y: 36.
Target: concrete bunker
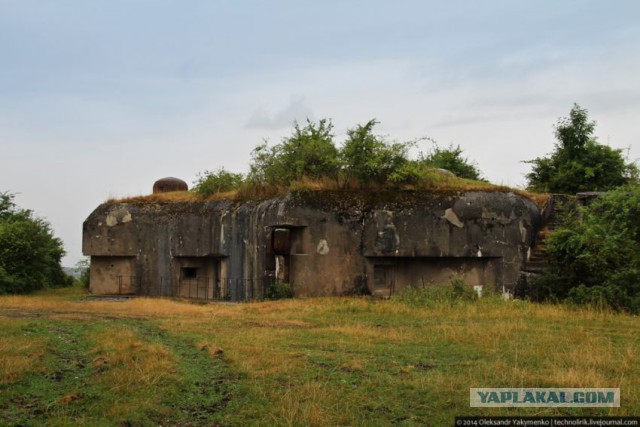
x: 322, y: 242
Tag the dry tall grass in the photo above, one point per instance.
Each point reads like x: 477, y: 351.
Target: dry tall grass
x: 330, y: 361
x: 131, y: 369
x: 19, y: 351
x: 258, y: 191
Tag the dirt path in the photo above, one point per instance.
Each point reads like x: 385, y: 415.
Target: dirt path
x: 64, y: 386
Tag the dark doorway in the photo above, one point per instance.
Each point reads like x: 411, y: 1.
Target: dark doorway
x: 384, y: 279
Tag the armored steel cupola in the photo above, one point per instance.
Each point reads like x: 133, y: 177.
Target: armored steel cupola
x: 165, y: 185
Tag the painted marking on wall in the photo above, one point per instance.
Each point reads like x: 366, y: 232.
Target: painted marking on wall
x: 111, y: 220
x: 323, y: 247
x: 451, y: 216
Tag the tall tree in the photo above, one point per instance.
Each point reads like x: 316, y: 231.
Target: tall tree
x: 579, y: 162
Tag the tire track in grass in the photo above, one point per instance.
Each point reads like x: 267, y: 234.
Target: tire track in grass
x: 207, y: 384
x: 61, y: 378
x: 64, y: 389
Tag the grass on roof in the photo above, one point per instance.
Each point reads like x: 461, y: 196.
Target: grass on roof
x: 257, y: 191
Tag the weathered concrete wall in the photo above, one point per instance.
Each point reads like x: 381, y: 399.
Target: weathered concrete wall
x: 339, y: 242
x: 113, y: 275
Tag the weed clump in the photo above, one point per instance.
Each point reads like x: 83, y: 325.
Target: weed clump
x: 279, y: 290
x: 429, y: 296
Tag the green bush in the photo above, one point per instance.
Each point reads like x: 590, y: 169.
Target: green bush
x: 29, y: 253
x: 219, y: 181
x: 451, y: 159
x: 453, y: 293
x: 308, y: 153
x: 595, y: 256
x: 599, y: 297
x: 369, y: 159
x: 279, y: 290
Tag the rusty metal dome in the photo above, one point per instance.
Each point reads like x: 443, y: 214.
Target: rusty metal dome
x: 165, y: 185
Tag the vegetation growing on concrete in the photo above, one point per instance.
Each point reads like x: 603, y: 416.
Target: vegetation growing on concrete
x: 216, y: 182
x: 310, y: 158
x: 65, y: 360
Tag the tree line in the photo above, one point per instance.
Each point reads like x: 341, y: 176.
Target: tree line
x: 29, y: 252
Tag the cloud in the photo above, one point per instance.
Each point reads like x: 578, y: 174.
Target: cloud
x: 296, y: 110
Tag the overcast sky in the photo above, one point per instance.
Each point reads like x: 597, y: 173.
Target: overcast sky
x: 100, y: 98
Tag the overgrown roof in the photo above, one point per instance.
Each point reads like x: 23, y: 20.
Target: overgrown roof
x: 450, y: 187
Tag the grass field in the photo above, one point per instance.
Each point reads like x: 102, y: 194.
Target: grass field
x: 70, y: 360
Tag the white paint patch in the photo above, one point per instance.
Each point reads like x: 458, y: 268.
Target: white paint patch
x: 523, y: 232
x: 222, y: 241
x: 451, y: 216
x: 111, y: 220
x: 323, y: 247
x: 118, y: 215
